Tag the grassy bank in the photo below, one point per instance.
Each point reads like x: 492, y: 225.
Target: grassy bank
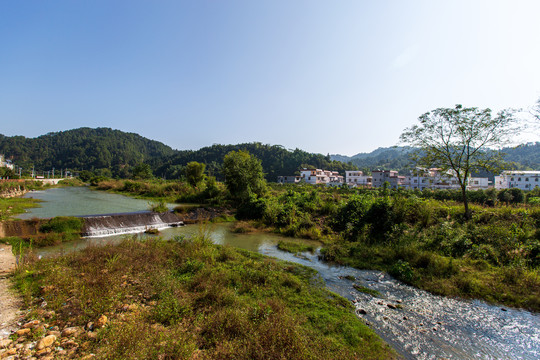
x: 192, y: 299
x: 420, y: 238
x: 25, y: 234
x: 14, y: 206
x: 209, y: 192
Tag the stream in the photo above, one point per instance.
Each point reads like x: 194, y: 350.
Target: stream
x: 417, y: 324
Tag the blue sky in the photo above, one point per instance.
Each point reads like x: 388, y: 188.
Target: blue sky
x: 324, y: 76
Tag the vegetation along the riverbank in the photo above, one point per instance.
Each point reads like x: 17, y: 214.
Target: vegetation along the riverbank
x: 420, y: 237
x: 186, y: 299
x: 422, y: 241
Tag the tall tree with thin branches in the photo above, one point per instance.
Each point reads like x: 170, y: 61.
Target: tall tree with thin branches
x: 462, y: 141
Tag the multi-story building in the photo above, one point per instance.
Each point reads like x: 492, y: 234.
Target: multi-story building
x: 524, y: 180
x: 314, y: 176
x: 289, y: 179
x: 379, y: 177
x: 355, y: 178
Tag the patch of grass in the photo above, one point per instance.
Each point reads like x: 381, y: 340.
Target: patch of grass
x: 191, y: 299
x: 62, y: 224
x: 243, y: 227
x: 366, y: 290
x: 294, y: 247
x: 14, y: 206
x: 159, y: 207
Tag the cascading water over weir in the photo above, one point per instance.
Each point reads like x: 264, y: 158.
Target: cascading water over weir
x: 128, y: 223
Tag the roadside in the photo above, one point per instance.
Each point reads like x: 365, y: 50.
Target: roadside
x: 9, y: 302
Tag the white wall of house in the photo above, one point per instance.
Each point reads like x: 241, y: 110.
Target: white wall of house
x: 524, y: 180
x: 357, y: 178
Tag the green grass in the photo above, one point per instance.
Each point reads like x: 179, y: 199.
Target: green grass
x: 191, y: 298
x: 366, y: 290
x: 294, y: 247
x: 14, y: 206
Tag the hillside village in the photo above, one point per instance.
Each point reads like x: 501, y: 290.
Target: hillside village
x: 420, y: 179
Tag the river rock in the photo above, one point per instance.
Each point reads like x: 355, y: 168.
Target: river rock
x: 5, y: 343
x: 71, y: 331
x: 54, y: 332
x: 101, y: 321
x: 31, y: 324
x: 361, y: 311
x: 22, y: 332
x: 45, y: 342
x: 391, y: 306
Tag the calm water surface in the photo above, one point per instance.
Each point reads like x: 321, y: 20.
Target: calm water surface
x: 80, y: 201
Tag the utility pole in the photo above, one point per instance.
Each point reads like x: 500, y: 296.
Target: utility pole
x: 53, y: 172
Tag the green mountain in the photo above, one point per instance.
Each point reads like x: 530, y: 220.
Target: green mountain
x: 84, y: 149
x: 275, y: 159
x: 115, y: 153
x: 522, y: 157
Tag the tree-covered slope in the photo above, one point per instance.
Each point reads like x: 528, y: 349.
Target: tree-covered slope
x: 118, y: 152
x: 83, y: 149
x: 275, y: 159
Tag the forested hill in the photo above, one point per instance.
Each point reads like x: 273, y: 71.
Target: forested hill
x: 115, y: 153
x: 522, y: 157
x: 276, y: 160
x: 84, y: 149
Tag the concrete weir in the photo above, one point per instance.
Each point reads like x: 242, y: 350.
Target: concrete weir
x: 105, y: 225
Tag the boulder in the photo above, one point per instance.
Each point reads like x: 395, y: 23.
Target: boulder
x: 22, y: 332
x: 45, y: 342
x: 71, y: 331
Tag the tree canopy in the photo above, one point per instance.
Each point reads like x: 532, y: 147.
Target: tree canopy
x: 461, y: 140
x: 244, y: 175
x: 194, y: 173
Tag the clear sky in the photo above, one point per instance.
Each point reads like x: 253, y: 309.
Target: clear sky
x: 324, y: 76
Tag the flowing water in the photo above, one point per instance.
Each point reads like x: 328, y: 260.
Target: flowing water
x: 417, y: 324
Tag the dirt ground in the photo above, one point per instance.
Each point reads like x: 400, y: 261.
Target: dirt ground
x: 9, y: 303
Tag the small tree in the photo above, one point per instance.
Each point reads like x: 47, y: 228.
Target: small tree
x: 194, y: 173
x: 243, y: 175
x: 142, y: 171
x: 462, y: 140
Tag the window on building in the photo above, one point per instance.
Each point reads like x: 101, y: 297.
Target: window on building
x: 511, y: 179
x: 536, y: 179
x: 519, y: 179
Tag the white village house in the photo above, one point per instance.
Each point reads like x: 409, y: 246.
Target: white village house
x: 314, y: 176
x: 6, y: 163
x: 420, y: 178
x: 524, y: 180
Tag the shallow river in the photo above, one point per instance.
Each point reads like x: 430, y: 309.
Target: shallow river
x: 417, y: 324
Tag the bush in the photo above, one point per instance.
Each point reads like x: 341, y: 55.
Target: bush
x: 62, y: 224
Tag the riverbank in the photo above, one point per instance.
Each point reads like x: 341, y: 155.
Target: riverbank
x: 9, y: 302
x: 186, y: 299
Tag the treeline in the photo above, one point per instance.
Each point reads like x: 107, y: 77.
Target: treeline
x: 114, y: 153
x: 275, y: 160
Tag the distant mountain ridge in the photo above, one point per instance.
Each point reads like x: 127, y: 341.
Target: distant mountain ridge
x: 522, y: 157
x: 115, y: 153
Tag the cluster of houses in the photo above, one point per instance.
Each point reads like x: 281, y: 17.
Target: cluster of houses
x: 6, y: 163
x: 419, y: 179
